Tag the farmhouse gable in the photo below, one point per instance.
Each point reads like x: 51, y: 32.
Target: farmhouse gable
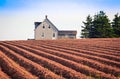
x: 46, y: 30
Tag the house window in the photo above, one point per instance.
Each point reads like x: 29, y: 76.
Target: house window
x: 53, y: 34
x: 43, y: 26
x: 42, y: 34
x: 49, y: 27
x: 71, y: 34
x: 61, y: 34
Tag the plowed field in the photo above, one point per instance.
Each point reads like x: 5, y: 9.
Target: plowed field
x: 60, y: 59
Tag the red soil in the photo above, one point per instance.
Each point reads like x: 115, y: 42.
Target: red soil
x: 60, y: 59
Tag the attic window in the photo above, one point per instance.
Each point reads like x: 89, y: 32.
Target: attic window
x: 43, y: 26
x: 49, y: 27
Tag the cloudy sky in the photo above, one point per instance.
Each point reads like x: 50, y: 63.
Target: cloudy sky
x: 17, y: 17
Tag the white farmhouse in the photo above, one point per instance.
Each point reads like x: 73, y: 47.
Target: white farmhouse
x: 46, y: 30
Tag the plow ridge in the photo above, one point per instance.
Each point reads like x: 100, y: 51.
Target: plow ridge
x: 60, y: 59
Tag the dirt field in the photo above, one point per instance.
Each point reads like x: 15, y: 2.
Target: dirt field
x: 60, y: 59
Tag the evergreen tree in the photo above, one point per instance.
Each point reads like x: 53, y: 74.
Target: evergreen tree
x: 87, y: 27
x: 102, y: 27
x: 116, y: 25
x: 99, y: 27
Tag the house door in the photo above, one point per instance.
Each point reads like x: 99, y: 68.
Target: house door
x: 53, y: 37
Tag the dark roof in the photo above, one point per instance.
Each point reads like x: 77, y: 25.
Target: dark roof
x: 67, y: 32
x: 51, y: 23
x: 37, y: 24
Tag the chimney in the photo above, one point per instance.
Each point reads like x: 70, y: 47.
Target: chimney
x: 45, y: 16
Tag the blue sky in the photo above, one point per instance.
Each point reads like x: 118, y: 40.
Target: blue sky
x: 17, y: 17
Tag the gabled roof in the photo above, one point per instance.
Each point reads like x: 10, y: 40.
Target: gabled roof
x: 67, y: 32
x: 46, y: 20
x: 37, y: 24
x: 51, y: 23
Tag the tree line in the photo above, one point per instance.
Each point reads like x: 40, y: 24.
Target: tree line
x: 99, y: 26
